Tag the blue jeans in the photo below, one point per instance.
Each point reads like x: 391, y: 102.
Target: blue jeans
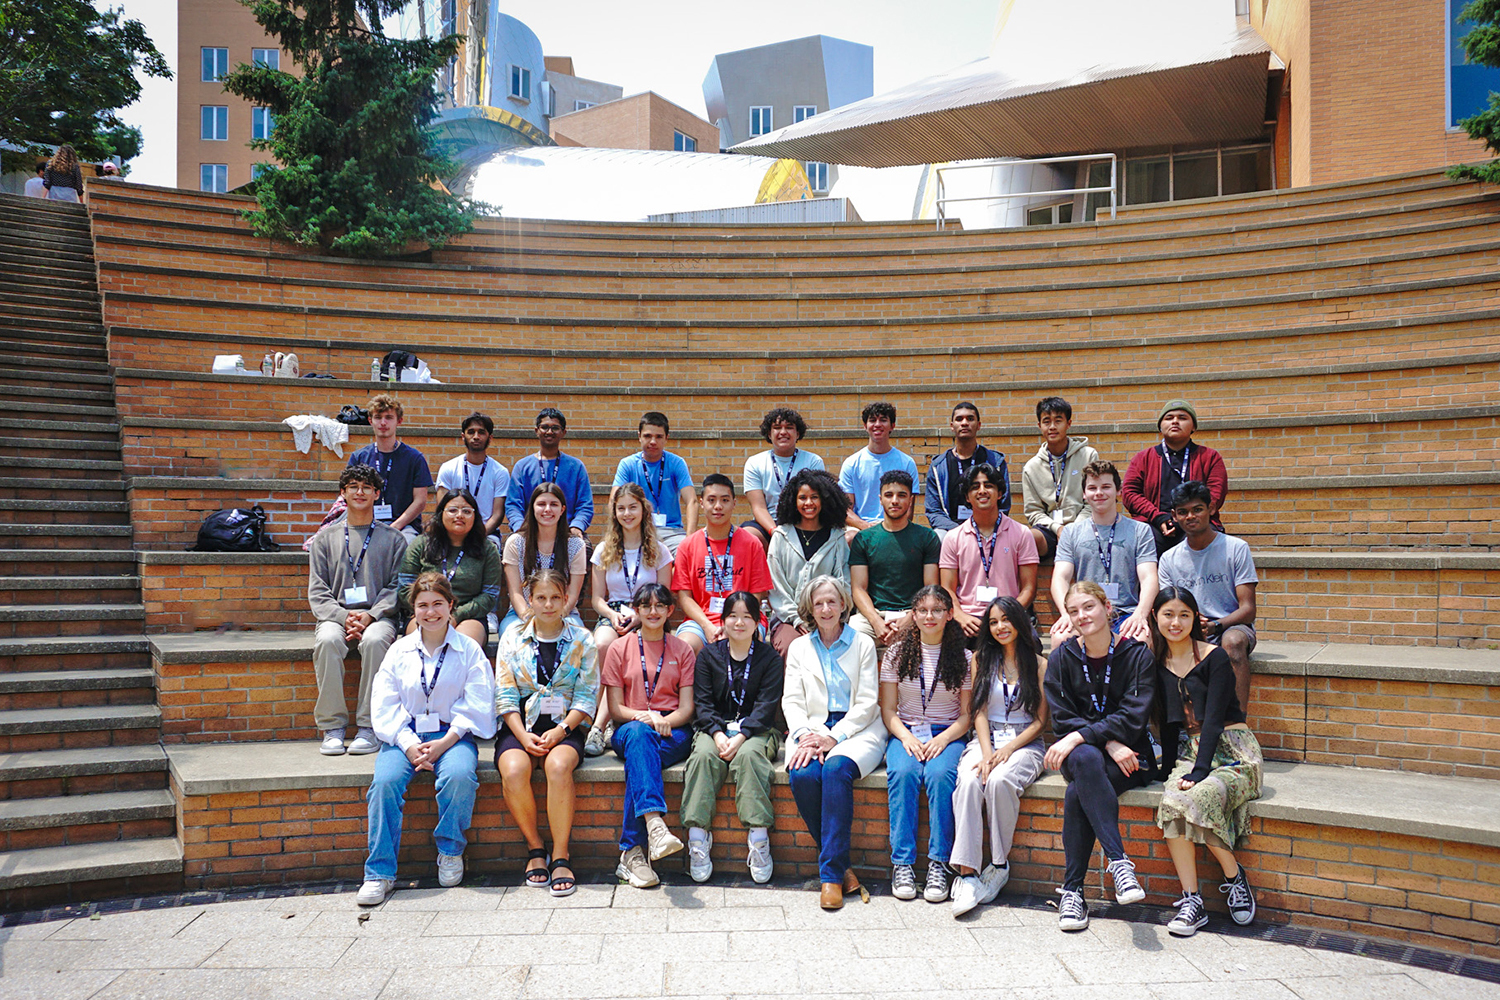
x: 905, y: 777
x: 824, y: 793
x: 457, y: 784
x: 646, y: 754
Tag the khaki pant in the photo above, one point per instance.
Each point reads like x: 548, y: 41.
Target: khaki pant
x: 862, y: 625
x: 1001, y: 793
x: 752, y: 768
x: 329, y: 650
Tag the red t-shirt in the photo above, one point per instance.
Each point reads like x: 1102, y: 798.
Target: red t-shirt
x: 706, y: 573
x: 622, y: 669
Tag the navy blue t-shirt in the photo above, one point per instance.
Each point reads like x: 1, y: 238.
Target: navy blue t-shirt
x: 403, y: 470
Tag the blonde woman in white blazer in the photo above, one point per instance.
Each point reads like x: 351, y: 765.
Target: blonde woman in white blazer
x: 831, y: 700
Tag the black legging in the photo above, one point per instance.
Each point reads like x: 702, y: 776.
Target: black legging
x: 1091, y: 809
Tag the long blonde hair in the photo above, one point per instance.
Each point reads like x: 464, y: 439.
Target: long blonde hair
x: 64, y: 161
x: 612, y: 547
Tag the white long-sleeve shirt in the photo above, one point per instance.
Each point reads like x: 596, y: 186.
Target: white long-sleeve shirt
x: 463, y: 696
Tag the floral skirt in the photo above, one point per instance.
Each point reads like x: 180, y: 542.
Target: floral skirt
x: 1215, y: 811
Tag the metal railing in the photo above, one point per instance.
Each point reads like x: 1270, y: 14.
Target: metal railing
x: 943, y: 200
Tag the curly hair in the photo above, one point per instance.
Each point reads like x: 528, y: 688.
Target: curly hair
x: 436, y: 534
x: 835, y: 507
x: 989, y: 657
x: 611, y: 549
x: 906, y: 652
x: 782, y: 415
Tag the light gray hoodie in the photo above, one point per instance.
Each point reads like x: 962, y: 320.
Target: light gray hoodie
x: 1039, y: 489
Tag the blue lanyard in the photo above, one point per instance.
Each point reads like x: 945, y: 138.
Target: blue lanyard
x: 776, y: 470
x: 1057, y: 481
x: 1187, y: 453
x: 650, y: 685
x: 719, y: 574
x: 1106, y: 552
x: 385, y: 471
x: 353, y: 564
x: 922, y: 689
x: 1101, y: 698
x: 631, y: 578
x: 738, y: 700
x: 986, y: 560
x: 478, y: 480
x: 550, y: 477
x: 456, y: 563
x: 1009, y: 696
x: 661, y: 477
x: 437, y: 670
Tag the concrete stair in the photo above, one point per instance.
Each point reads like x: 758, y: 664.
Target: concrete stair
x: 85, y: 811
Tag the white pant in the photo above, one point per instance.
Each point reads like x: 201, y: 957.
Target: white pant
x: 329, y: 650
x: 1001, y: 792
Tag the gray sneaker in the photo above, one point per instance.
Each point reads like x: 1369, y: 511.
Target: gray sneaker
x: 903, y: 882
x: 936, y: 890
x: 597, y: 742
x: 1072, y: 911
x: 333, y: 743
x: 364, y: 741
x: 1127, y: 889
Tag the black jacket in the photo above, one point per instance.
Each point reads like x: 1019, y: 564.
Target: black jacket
x: 1127, y: 702
x: 1209, y: 686
x: 712, y: 702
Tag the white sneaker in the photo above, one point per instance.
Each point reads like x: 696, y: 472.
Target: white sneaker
x: 635, y: 869
x: 333, y: 743
x: 374, y: 891
x: 450, y: 870
x: 700, y: 864
x: 364, y: 741
x: 965, y: 894
x: 661, y: 841
x: 991, y: 881
x: 759, y: 860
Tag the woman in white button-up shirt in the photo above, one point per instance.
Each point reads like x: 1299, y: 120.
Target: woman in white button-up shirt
x: 434, y: 695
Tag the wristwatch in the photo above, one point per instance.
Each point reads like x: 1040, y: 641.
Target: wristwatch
x: 567, y: 729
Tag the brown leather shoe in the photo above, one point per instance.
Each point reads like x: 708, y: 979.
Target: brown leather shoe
x: 851, y: 885
x: 832, y: 896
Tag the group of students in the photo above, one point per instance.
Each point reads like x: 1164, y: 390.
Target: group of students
x: 781, y: 620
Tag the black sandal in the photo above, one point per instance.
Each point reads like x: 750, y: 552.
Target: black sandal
x: 536, y: 877
x: 562, y: 885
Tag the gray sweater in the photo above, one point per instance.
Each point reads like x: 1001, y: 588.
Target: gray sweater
x: 328, y: 574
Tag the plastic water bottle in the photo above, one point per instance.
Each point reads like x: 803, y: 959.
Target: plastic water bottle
x: 374, y: 369
x: 268, y: 366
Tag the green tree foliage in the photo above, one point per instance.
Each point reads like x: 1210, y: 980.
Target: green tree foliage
x: 355, y: 173
x: 1482, y: 46
x: 65, y: 69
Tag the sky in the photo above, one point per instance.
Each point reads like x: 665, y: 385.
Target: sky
x: 660, y: 45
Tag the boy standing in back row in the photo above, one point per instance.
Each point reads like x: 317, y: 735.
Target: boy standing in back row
x: 1052, y: 481
x: 476, y: 473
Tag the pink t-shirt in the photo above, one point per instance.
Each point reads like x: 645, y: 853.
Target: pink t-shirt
x: 622, y: 669
x: 942, y: 702
x: 1014, y: 548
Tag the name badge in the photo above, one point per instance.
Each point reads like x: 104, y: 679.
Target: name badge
x: 716, y: 605
x: 429, y: 723
x: 355, y: 595
x: 660, y: 519
x: 732, y: 728
x: 383, y: 512
x: 964, y: 513
x: 554, y: 705
x: 987, y: 594
x: 922, y: 731
x: 1112, y: 591
x: 1002, y: 735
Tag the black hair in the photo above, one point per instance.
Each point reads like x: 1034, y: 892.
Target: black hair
x: 1054, y: 404
x: 655, y: 418
x: 880, y: 409
x: 963, y: 404
x: 984, y: 469
x: 835, y: 509
x: 1163, y: 597
x: 41, y: 165
x: 749, y: 600
x: 782, y: 415
x: 653, y: 593
x: 554, y: 413
x: 1190, y: 491
x: 361, y: 474
x: 717, y: 479
x: 438, y: 546
x: 953, y: 660
x: 897, y: 476
x: 477, y: 418
x: 989, y: 655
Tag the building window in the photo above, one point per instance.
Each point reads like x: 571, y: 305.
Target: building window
x: 1050, y: 215
x: 801, y: 111
x: 261, y: 123
x: 1177, y: 176
x: 215, y: 121
x: 582, y: 105
x: 520, y: 83
x: 817, y: 175
x: 215, y: 64
x: 1469, y: 85
x: 256, y: 169
x: 213, y: 177
x: 266, y: 58
x: 684, y: 143
x: 760, y: 121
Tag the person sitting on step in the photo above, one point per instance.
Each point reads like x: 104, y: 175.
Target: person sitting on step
x: 767, y: 473
x: 1155, y: 473
x: 455, y: 545
x: 809, y: 542
x: 403, y: 470
x: 1052, y: 479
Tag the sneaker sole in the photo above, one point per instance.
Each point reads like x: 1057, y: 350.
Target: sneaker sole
x: 936, y: 899
x: 668, y: 852
x: 1082, y: 925
x: 959, y: 909
x: 623, y: 873
x: 360, y: 753
x: 1248, y: 917
x: 1181, y: 931
x: 1134, y: 896
x: 904, y: 893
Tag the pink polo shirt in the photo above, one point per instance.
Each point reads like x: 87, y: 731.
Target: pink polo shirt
x: 1013, y: 549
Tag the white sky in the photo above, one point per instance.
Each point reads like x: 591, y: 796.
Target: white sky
x: 660, y: 45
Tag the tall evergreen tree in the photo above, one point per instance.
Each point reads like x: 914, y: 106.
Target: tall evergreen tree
x: 355, y: 172
x: 1482, y: 46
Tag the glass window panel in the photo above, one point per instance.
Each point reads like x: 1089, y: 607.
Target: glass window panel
x: 1146, y: 181
x: 1247, y: 170
x: 1195, y: 175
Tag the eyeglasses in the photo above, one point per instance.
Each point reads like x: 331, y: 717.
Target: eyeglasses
x: 929, y: 612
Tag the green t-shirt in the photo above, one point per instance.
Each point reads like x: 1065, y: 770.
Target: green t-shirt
x: 895, y: 562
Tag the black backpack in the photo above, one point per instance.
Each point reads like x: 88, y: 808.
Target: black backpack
x: 401, y: 359
x: 235, y: 530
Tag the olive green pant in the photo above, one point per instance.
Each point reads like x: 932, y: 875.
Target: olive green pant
x: 752, y: 768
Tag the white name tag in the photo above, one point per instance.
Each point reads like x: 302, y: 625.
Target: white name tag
x: 383, y: 512
x: 429, y: 723
x: 922, y: 731
x: 716, y: 605
x: 555, y: 706
x: 732, y: 728
x: 987, y: 594
x: 964, y: 513
x: 1112, y: 591
x: 660, y: 519
x: 1002, y: 735
x: 355, y: 595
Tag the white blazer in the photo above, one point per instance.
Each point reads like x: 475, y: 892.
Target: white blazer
x: 804, y: 700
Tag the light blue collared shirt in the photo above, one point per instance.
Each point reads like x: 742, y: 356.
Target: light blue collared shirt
x: 839, y: 688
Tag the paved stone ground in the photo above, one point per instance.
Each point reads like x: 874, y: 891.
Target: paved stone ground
x: 678, y: 941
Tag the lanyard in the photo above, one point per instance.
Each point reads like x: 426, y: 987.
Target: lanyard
x: 776, y: 470
x: 631, y: 577
x: 661, y: 477
x: 738, y: 700
x: 546, y: 682
x: 1009, y: 695
x: 1106, y: 552
x: 550, y: 477
x: 1098, y: 700
x: 354, y: 564
x: 986, y: 560
x: 456, y: 563
x: 384, y: 470
x: 720, y: 573
x: 478, y: 480
x: 1187, y: 452
x: 922, y: 689
x: 1057, y: 480
x: 427, y: 689
x: 651, y: 684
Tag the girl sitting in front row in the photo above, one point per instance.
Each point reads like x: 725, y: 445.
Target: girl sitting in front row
x: 1005, y: 757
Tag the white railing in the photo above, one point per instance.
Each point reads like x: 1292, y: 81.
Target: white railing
x: 943, y: 200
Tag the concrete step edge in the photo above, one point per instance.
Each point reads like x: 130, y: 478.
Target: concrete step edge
x: 89, y: 862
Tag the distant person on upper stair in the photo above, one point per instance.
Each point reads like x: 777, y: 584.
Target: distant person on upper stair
x: 353, y: 567
x: 550, y: 465
x: 767, y: 473
x: 1220, y: 572
x: 861, y: 472
x: 1052, y: 481
x: 477, y: 474
x: 1157, y: 471
x: 63, y: 177
x: 403, y: 470
x: 946, y: 508
x: 665, y: 478
x: 36, y: 187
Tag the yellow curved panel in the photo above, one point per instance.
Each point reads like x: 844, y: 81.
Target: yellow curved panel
x: 786, y: 180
